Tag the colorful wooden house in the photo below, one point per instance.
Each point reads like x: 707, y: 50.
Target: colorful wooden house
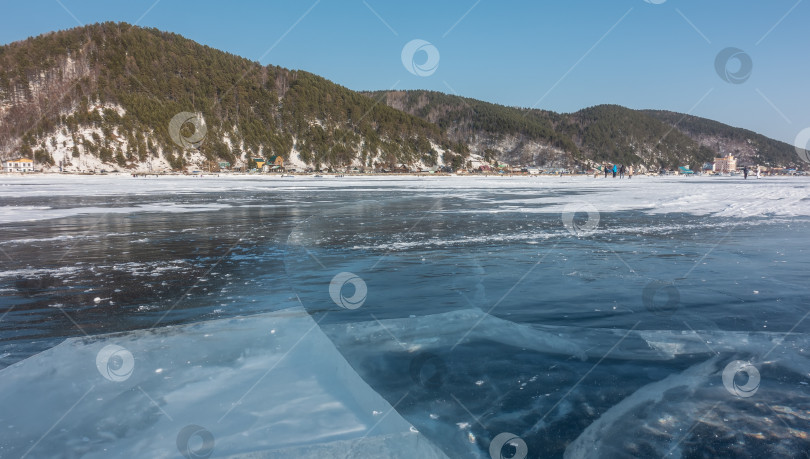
x: 276, y: 162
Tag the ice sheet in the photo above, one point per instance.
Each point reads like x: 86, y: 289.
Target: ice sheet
x: 719, y: 196
x: 270, y: 385
x: 588, y: 445
x: 420, y: 333
x: 670, y: 405
x: 10, y: 214
x: 670, y: 416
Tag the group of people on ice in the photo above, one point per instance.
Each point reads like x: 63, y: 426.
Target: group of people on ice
x: 618, y: 169
x: 745, y: 172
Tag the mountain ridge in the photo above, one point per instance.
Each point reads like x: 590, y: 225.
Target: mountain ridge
x: 595, y: 133
x: 110, y: 91
x: 105, y: 94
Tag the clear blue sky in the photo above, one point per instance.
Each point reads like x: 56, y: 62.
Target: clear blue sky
x: 560, y: 55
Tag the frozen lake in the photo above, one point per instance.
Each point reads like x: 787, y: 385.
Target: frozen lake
x: 428, y: 316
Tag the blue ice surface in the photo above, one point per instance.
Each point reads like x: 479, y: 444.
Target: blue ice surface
x: 610, y: 342
x: 272, y: 385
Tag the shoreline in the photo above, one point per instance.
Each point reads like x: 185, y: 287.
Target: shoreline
x: 35, y: 197
x: 288, y: 176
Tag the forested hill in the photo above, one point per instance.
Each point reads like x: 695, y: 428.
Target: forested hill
x: 753, y: 148
x: 600, y: 134
x: 105, y: 95
x: 110, y: 90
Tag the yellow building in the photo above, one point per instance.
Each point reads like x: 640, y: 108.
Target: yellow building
x: 272, y: 163
x: 19, y: 165
x: 725, y: 165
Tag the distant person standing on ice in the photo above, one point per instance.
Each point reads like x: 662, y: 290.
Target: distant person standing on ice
x: 745, y: 172
x: 629, y: 172
x: 759, y: 170
x: 606, y: 170
x: 614, y: 171
x: 621, y: 171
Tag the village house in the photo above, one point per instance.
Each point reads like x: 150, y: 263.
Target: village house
x: 276, y: 162
x: 273, y: 163
x: 19, y: 165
